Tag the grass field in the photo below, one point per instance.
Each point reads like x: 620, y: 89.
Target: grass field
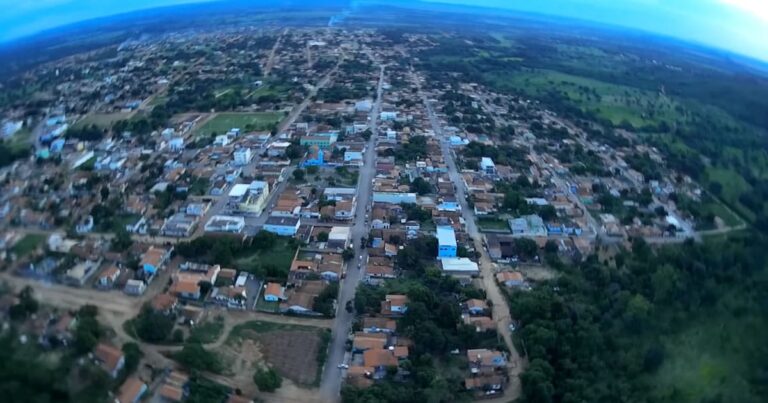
x: 280, y: 256
x: 733, y: 186
x: 223, y: 122
x: 101, y: 119
x: 494, y: 224
x: 20, y: 140
x: 613, y: 102
x: 28, y: 244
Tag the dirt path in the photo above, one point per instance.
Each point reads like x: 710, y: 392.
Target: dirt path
x: 271, y: 60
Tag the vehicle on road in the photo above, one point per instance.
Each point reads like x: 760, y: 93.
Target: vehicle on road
x: 342, y: 366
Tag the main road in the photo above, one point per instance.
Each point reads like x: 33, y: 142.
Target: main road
x: 501, y: 313
x: 332, y: 376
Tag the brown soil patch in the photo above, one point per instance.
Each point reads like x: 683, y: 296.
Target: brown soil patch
x: 292, y: 353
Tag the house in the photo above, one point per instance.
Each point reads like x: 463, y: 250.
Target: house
x: 179, y: 225
x: 232, y: 297
x: 446, y: 241
x: 480, y: 323
x: 85, y: 226
x: 283, y: 226
x: 109, y: 358
x: 131, y: 390
x: 394, y: 305
x: 339, y: 237
x: 274, y: 292
x: 165, y: 303
x: 379, y: 360
x: 379, y: 325
x: 315, y: 157
x: 485, y: 361
x: 476, y: 306
x: 108, y: 276
x: 134, y: 287
x: 510, y: 279
x: 63, y: 329
x: 153, y: 259
x: 345, y: 210
x: 363, y: 341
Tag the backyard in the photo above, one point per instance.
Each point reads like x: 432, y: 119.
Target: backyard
x: 28, y: 244
x: 272, y: 262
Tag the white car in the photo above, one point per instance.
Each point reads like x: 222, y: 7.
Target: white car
x: 343, y: 366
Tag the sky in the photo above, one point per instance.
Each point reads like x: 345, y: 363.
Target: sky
x: 740, y: 26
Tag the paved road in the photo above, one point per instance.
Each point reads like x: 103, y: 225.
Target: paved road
x: 271, y: 59
x: 332, y: 376
x: 500, y: 308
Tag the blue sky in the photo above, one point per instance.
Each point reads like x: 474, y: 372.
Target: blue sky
x: 737, y: 25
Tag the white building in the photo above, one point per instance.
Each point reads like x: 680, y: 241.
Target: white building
x: 223, y: 223
x: 221, y: 140
x: 459, y: 267
x: 487, y: 166
x: 243, y: 156
x: 176, y: 144
x: 388, y: 115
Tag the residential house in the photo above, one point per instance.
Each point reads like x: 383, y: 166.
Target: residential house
x: 394, y: 305
x: 110, y: 358
x: 379, y: 325
x: 446, y: 240
x: 476, y: 306
x: 510, y: 279
x: 108, y: 276
x: 131, y: 390
x: 165, y: 303
x: 274, y: 292
x: 153, y: 259
x: 134, y: 287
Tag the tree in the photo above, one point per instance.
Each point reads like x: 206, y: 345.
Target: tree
x: 122, y: 240
x: 420, y: 186
x: 267, y: 380
x: 88, y: 331
x: 133, y: 355
x: 298, y: 175
x: 153, y: 326
x: 322, y: 236
x: 193, y: 356
x: 311, y: 170
x: 104, y: 191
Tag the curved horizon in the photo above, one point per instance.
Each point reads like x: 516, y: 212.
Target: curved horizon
x: 738, y: 26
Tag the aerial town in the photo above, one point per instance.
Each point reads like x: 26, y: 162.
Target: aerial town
x: 290, y: 214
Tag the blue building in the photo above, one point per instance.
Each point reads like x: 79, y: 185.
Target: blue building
x: 315, y: 157
x: 446, y: 242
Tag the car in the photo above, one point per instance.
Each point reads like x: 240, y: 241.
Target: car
x: 512, y: 327
x: 343, y: 366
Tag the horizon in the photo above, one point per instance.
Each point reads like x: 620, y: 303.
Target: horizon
x: 736, y: 26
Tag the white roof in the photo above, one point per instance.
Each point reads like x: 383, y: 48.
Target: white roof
x: 239, y: 190
x: 486, y: 162
x: 446, y: 236
x: 456, y: 264
x: 340, y: 191
x: 339, y: 233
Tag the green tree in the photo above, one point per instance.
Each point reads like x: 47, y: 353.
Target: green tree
x: 267, y: 380
x: 298, y: 175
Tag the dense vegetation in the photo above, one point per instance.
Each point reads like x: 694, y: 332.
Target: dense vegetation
x: 608, y: 332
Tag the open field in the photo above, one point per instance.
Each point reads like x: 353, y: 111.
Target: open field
x: 208, y: 331
x: 492, y: 223
x: 292, y: 350
x: 102, y: 120
x: 20, y: 140
x: 279, y: 257
x: 222, y: 122
x: 613, y: 102
x: 28, y: 244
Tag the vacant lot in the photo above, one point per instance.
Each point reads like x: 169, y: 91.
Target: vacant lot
x: 28, y: 244
x: 278, y: 257
x: 493, y: 224
x: 292, y: 350
x: 222, y: 122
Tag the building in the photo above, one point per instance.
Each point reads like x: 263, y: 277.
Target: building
x: 339, y: 237
x: 459, y: 267
x: 134, y: 287
x: 387, y: 115
x: 176, y: 144
x: 179, y: 225
x: 321, y: 140
x: 394, y: 305
x: 283, y: 226
x: 315, y: 157
x: 394, y: 197
x: 153, y: 260
x: 487, y: 166
x: 224, y: 223
x: 510, y: 279
x: 109, y: 358
x: 339, y: 194
x: 529, y: 226
x: 243, y: 156
x: 131, y: 391
x: 446, y: 242
x: 364, y: 106
x: 274, y: 292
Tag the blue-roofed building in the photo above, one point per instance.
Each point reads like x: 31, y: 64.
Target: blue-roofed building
x: 446, y: 242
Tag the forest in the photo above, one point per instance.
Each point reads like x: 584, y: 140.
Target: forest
x: 611, y: 331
